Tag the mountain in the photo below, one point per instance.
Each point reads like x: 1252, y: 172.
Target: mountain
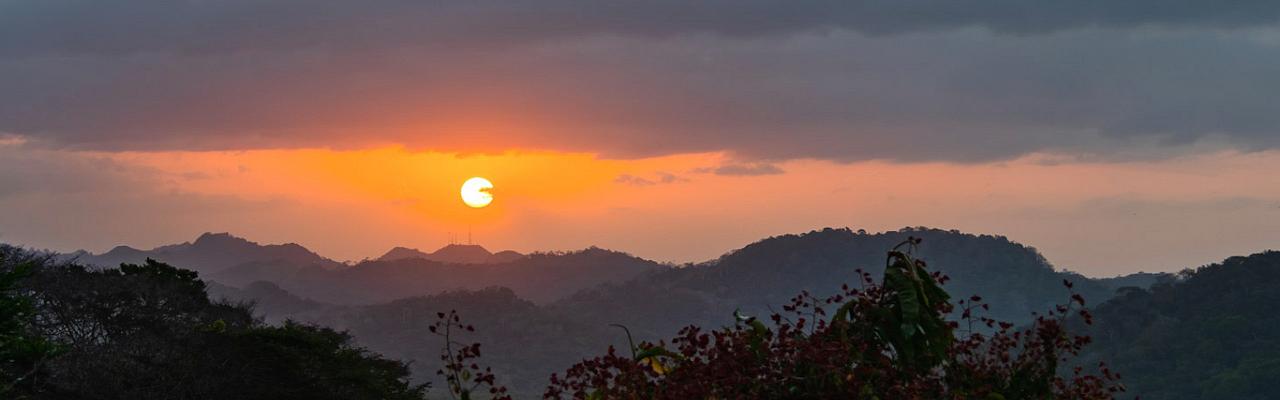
x: 214, y: 252
x: 403, y: 253
x: 1015, y: 279
x: 540, y: 277
x: 523, y: 342
x: 1205, y: 333
x: 1140, y: 280
x: 453, y: 254
x: 269, y: 301
x: 527, y: 340
x: 1210, y: 334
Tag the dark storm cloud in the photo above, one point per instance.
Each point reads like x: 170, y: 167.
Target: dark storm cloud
x: 34, y: 27
x: 902, y: 80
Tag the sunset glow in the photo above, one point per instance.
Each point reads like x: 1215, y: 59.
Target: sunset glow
x: 351, y: 204
x: 668, y: 139
x: 340, y: 200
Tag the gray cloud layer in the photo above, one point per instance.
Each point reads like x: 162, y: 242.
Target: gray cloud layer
x: 903, y: 80
x: 32, y: 27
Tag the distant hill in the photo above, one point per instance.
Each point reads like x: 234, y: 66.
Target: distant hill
x: 212, y: 253
x: 523, y: 342
x: 541, y: 277
x: 269, y: 301
x: 401, y: 272
x: 1015, y: 279
x: 529, y: 340
x: 1207, y: 333
x: 1210, y: 334
x: 1141, y: 280
x: 539, y: 313
x: 453, y: 254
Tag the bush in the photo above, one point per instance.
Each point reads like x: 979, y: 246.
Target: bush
x: 149, y: 331
x: 879, y: 341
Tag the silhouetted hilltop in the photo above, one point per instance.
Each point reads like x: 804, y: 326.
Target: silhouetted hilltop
x: 1141, y: 280
x: 527, y: 341
x: 461, y: 254
x: 544, y: 310
x: 213, y: 252
x: 541, y: 277
x: 401, y: 253
x: 453, y: 253
x: 1014, y: 278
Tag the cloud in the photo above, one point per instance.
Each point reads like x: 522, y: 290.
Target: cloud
x: 73, y: 27
x: 659, y: 178
x: 846, y: 81
x: 628, y: 179
x: 755, y: 169
x: 25, y: 173
x: 70, y: 200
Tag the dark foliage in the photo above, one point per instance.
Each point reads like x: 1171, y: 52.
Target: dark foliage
x: 462, y: 374
x: 149, y: 331
x: 1212, y: 334
x: 526, y: 342
x: 1016, y: 280
x: 22, y: 351
x: 523, y: 343
x: 888, y: 341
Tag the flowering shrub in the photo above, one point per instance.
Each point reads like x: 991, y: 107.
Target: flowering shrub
x: 879, y: 341
x: 461, y: 372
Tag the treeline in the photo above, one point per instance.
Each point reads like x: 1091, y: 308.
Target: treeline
x: 1214, y: 333
x: 885, y: 339
x: 149, y: 331
x: 529, y: 341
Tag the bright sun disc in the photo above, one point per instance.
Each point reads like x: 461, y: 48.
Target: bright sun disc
x: 475, y: 192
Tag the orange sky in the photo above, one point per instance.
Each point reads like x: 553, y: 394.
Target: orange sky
x: 1113, y: 139
x: 1101, y: 218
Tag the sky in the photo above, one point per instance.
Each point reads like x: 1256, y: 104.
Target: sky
x: 1112, y: 136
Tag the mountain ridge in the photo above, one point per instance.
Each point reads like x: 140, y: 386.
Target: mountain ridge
x: 211, y: 252
x: 453, y: 253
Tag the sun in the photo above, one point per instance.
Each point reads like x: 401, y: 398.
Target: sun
x: 475, y: 192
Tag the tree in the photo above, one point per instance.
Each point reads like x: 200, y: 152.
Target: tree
x: 881, y: 341
x: 22, y: 352
x: 150, y: 331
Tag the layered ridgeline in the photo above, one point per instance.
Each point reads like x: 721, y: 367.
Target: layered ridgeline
x: 453, y: 253
x: 1214, y: 333
x: 530, y: 341
x: 1205, y: 333
x: 401, y: 272
x: 1015, y: 279
x: 212, y: 253
x: 540, y: 277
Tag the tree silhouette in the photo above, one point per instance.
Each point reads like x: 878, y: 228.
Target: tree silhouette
x: 888, y: 341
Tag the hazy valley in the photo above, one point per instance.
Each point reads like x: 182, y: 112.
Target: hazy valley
x: 540, y: 312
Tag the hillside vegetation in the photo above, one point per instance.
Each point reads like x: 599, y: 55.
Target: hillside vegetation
x: 149, y: 331
x: 1214, y: 333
